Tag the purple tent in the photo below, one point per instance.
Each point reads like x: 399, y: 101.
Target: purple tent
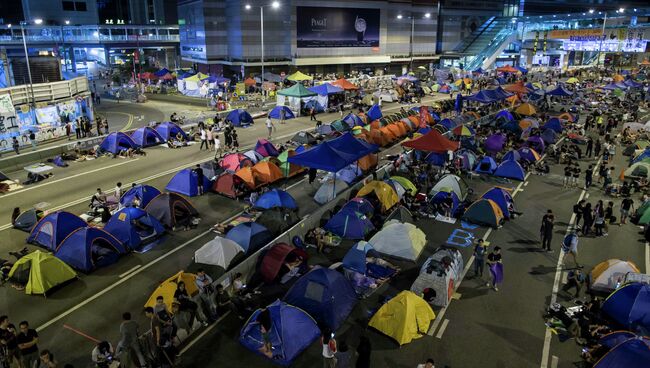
x: 537, y: 143
x: 495, y: 142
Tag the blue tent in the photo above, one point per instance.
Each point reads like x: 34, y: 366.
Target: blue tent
x: 358, y: 205
x: 325, y: 294
x: 629, y: 305
x: 133, y: 227
x: 512, y: 155
x: 483, y: 96
x: 354, y: 120
x: 487, y: 165
x: 324, y: 129
x: 349, y: 144
x: 440, y: 197
x: 448, y: 123
x: 88, y: 248
x: 186, y: 182
x: 632, y: 84
x: 502, y: 198
x: 349, y: 173
x: 527, y: 154
x: 324, y: 157
x: 276, y: 198
x: 313, y: 104
x: 424, y: 130
x: 522, y: 69
x: 549, y: 136
x: 117, y: 142
x: 553, y: 124
x: 240, y: 117
x: 559, y: 91
x: 626, y: 350
x: 326, y: 89
x: 58, y: 161
x: 289, y: 331
x: 510, y: 169
x: 50, y: 231
x: 277, y: 111
x: 512, y: 126
x: 161, y: 72
x: 374, y: 113
x: 436, y: 159
x: 349, y: 225
x: 143, y: 193
x: 641, y: 156
x: 250, y: 236
x: 505, y: 114
x: 169, y: 130
x: 146, y: 137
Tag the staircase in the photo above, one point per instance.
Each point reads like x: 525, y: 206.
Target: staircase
x: 481, y: 48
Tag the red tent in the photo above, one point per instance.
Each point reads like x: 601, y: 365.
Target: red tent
x: 275, y: 257
x: 516, y: 88
x: 508, y: 69
x: 226, y: 184
x: 345, y: 84
x: 432, y: 142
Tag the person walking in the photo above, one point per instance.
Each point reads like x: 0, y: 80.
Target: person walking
x: 27, y: 341
x: 217, y: 144
x: 546, y: 230
x: 15, y: 145
x: 627, y: 207
x: 269, y: 127
x: 208, y: 138
x: 589, y: 176
x: 479, y: 258
x: 312, y: 114
x: 227, y: 138
x: 129, y: 340
x: 578, y: 209
x: 204, y: 141
x: 570, y: 247
x: 495, y: 262
x: 599, y: 218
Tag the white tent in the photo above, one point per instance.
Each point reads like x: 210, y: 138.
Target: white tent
x: 328, y: 191
x: 399, y: 239
x: 609, y: 275
x: 454, y: 182
x: 218, y: 252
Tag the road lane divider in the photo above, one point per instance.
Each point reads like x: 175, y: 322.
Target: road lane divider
x: 442, y: 329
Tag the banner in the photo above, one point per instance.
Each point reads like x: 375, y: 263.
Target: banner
x: 8, y: 122
x: 48, y: 116
x: 568, y: 33
x: 337, y: 27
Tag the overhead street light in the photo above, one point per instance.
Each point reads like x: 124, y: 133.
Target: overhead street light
x: 29, y: 70
x: 38, y: 21
x: 274, y: 5
x: 591, y: 11
x: 399, y: 16
x: 67, y: 22
x: 427, y: 15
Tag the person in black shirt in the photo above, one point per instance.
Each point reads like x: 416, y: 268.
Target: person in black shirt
x: 589, y: 176
x: 576, y: 175
x: 577, y: 209
x: 27, y: 341
x: 627, y: 206
x: 494, y: 259
x: 8, y: 342
x: 199, y: 178
x: 546, y: 230
x: 568, y: 171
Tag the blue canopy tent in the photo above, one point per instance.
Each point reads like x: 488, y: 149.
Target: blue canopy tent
x: 324, y: 157
x: 276, y: 113
x: 349, y: 225
x: 559, y: 91
x: 553, y: 124
x: 276, y: 198
x: 240, y: 117
x: 505, y: 114
x: 140, y: 193
x: 326, y: 89
x: 146, y: 137
x: 52, y: 229
x: 448, y: 123
x: 502, y: 198
x: 510, y: 169
x: 349, y: 144
x: 487, y: 165
x: 88, y: 248
x: 169, y: 130
x: 359, y: 205
x: 289, y: 332
x: 117, y: 142
x: 626, y: 350
x: 161, y: 72
x: 250, y: 236
x: 512, y: 155
x: 374, y: 113
x: 325, y: 294
x: 186, y: 182
x: 353, y: 119
x: 629, y: 306
x: 133, y: 227
x: 481, y: 97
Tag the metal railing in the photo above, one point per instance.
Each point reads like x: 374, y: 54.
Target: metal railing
x: 44, y: 92
x: 90, y: 34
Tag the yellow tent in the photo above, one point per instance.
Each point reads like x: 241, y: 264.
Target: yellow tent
x: 40, y: 271
x: 406, y: 184
x: 168, y: 288
x: 572, y: 80
x: 299, y: 76
x: 384, y: 192
x: 526, y: 109
x: 404, y: 318
x: 618, y: 78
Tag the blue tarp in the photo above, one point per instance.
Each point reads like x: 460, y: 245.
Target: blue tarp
x: 325, y: 294
x: 502, y: 198
x: 630, y: 307
x: 117, y: 142
x: 240, y: 117
x: 290, y: 332
x: 186, y: 182
x: 143, y: 193
x: 348, y: 144
x: 89, y: 248
x: 487, y: 165
x: 250, y: 236
x: 510, y: 169
x: 324, y: 157
x: 276, y: 198
x: 276, y: 113
x: 326, y: 89
x: 349, y: 225
x: 374, y: 113
x: 169, y: 130
x: 559, y: 91
x: 50, y: 231
x: 133, y: 226
x: 146, y: 137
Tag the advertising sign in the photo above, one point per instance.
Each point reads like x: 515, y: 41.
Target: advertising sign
x: 569, y: 33
x: 8, y: 121
x: 336, y: 27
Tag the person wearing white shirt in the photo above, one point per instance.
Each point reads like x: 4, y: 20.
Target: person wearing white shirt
x: 118, y: 190
x: 428, y: 364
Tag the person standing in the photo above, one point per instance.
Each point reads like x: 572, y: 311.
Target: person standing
x: 578, y: 209
x: 68, y: 130
x: 227, y: 138
x: 329, y: 349
x: 77, y: 128
x: 590, y: 147
x: 105, y: 123
x: 15, y: 145
x: 576, y: 175
x: 546, y: 230
x: 479, y: 258
x: 27, y: 340
x: 495, y: 263
x: 204, y: 141
x: 343, y: 355
x: 269, y: 127
x: 283, y: 116
x: 589, y: 176
x: 235, y: 141
x: 198, y: 170
x: 627, y: 207
x: 568, y: 173
x: 597, y: 148
x: 208, y: 138
x: 570, y: 247
x: 32, y: 139
x: 312, y: 114
x: 129, y: 342
x: 98, y: 122
x: 217, y: 144
x: 118, y: 190
x: 8, y: 343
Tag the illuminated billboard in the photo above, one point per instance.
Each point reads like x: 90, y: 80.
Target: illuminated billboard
x: 336, y: 27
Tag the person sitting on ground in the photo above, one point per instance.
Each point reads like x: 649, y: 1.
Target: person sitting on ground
x: 103, y: 354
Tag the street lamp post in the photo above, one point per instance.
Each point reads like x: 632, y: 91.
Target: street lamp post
x: 600, y: 47
x: 274, y: 5
x: 29, y: 70
x: 412, y: 36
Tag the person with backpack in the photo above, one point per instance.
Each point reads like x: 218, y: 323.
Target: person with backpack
x: 570, y: 247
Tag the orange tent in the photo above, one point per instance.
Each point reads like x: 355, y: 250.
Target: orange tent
x: 366, y: 163
x: 618, y: 78
x: 507, y: 69
x: 516, y: 88
x: 249, y: 177
x: 345, y: 84
x: 645, y: 62
x: 513, y: 100
x: 376, y: 124
x: 566, y: 116
x: 363, y: 117
x: 526, y: 109
x: 393, y: 128
x: 249, y: 82
x: 416, y: 120
x: 406, y: 127
x: 267, y: 171
x: 380, y: 137
x: 473, y: 114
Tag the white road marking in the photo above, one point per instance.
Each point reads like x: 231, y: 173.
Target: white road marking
x: 436, y: 322
x: 554, y: 361
x: 442, y: 329
x: 130, y: 270
x: 203, y: 333
x: 647, y: 257
x: 564, y: 278
x: 526, y: 183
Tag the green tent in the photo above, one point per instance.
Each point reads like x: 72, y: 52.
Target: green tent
x: 639, y: 169
x: 340, y: 126
x: 297, y: 90
x: 40, y: 271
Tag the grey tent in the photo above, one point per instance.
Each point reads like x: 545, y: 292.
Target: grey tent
x: 26, y: 220
x: 277, y: 220
x: 3, y: 177
x: 401, y: 214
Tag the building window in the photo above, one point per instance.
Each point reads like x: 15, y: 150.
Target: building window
x: 80, y: 6
x: 68, y: 5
